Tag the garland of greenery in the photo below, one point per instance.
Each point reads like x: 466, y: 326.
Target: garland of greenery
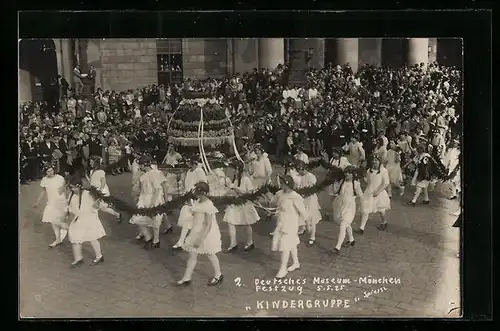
x: 176, y: 203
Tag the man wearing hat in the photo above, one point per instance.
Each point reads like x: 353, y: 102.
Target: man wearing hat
x: 95, y: 144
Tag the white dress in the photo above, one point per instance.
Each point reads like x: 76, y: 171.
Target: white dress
x: 172, y: 159
x: 86, y: 226
x: 212, y: 243
x: 244, y: 214
x: 380, y: 203
x: 217, y: 181
x: 148, y: 185
x: 356, y: 153
x: 311, y: 202
x: 262, y: 171
x: 185, y: 219
x: 291, y: 209
x: 95, y: 178
x: 394, y: 167
x: 158, y: 179
x: 57, y: 206
x: 344, y: 204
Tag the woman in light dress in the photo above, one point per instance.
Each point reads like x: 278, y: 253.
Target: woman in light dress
x: 261, y: 168
x: 344, y: 207
x: 172, y: 158
x: 290, y: 209
x: 85, y: 225
x: 307, y: 179
x: 204, y: 238
x: 194, y: 175
x: 355, y: 150
x: 393, y: 166
x: 242, y: 216
x: 54, y: 189
x: 375, y: 198
x: 380, y: 151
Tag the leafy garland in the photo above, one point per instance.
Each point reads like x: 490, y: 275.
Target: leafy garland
x: 176, y: 203
x: 191, y: 113
x: 193, y: 126
x: 334, y: 174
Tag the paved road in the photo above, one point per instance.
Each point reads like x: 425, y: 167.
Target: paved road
x: 418, y: 249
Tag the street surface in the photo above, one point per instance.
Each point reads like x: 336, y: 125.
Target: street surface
x: 417, y: 251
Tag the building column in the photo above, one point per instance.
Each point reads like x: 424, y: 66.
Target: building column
x: 418, y: 51
x: 432, y: 50
x: 57, y: 43
x: 271, y: 52
x: 347, y: 52
x: 370, y: 51
x: 66, y: 59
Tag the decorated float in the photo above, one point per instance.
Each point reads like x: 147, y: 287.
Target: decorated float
x: 200, y: 127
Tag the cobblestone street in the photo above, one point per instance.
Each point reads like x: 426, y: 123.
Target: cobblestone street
x: 418, y: 249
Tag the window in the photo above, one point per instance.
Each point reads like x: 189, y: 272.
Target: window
x: 169, y: 61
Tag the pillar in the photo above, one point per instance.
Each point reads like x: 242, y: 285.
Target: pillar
x: 370, y: 51
x: 245, y: 54
x: 25, y: 86
x: 432, y: 50
x: 418, y: 51
x: 347, y: 52
x: 66, y: 59
x: 57, y: 43
x: 271, y: 52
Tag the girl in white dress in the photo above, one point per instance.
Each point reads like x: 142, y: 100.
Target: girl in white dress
x: 243, y: 215
x: 158, y: 177
x: 97, y: 179
x: 307, y: 179
x: 261, y: 168
x: 356, y: 152
x: 194, y: 175
x: 345, y: 207
x: 393, y: 166
x: 450, y: 161
x: 85, y: 225
x: 150, y: 191
x: 375, y: 198
x: 56, y: 208
x: 290, y: 209
x: 380, y: 151
x: 204, y: 238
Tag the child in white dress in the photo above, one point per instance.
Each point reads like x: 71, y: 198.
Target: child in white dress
x: 204, y: 238
x: 56, y: 208
x: 243, y: 215
x: 307, y: 179
x: 344, y: 207
x: 375, y: 198
x: 194, y: 175
x: 85, y: 225
x: 393, y: 166
x: 97, y: 179
x: 290, y: 208
x: 356, y: 152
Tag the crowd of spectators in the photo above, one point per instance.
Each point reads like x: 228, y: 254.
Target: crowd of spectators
x: 324, y: 112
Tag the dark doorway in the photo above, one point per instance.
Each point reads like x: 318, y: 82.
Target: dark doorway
x: 38, y: 57
x: 330, y: 51
x: 393, y: 52
x: 449, y: 52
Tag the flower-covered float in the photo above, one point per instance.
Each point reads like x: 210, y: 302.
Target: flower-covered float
x: 200, y: 127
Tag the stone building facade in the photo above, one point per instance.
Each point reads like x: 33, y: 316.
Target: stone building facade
x: 123, y: 64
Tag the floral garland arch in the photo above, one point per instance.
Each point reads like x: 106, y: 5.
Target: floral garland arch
x: 200, y: 121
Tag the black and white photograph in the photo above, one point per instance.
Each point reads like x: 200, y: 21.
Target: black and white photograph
x: 240, y: 177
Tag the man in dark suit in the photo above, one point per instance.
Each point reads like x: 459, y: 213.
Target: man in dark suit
x: 46, y: 148
x: 63, y: 86
x: 95, y: 145
x: 63, y: 147
x: 91, y: 77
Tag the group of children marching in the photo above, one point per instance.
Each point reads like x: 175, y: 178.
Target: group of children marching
x: 200, y: 232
